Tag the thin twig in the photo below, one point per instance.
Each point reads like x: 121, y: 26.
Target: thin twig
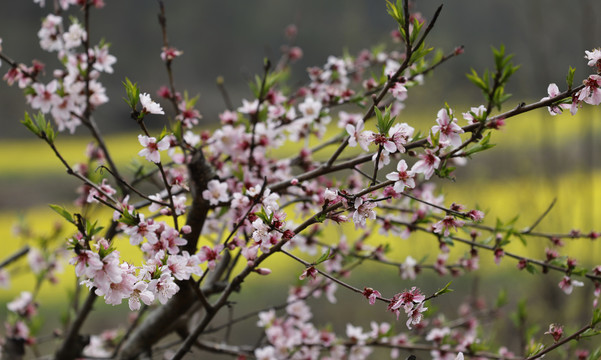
x: 540, y: 218
x: 14, y: 257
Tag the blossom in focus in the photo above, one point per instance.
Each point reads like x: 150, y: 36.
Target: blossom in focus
x: 149, y: 106
x: 152, y: 148
x: 427, y: 164
x: 553, y: 91
x: 364, y: 210
x: 402, y: 177
x: 448, y: 128
x: 591, y: 94
x: 371, y: 295
x: 474, y: 114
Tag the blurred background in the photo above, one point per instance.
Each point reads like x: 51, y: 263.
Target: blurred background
x: 538, y: 158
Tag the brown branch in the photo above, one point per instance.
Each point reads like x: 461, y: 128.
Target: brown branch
x: 14, y: 257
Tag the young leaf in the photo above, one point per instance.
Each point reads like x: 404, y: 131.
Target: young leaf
x: 30, y: 125
x: 62, y: 212
x: 444, y: 290
x: 570, y: 77
x: 325, y: 256
x: 596, y: 317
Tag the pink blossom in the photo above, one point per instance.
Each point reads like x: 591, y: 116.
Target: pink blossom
x: 427, y: 164
x: 594, y: 58
x: 106, y: 190
x: 401, y: 134
x: 164, y: 288
x: 170, y: 53
x: 409, y: 268
x: 399, y: 91
x: 311, y: 272
x: 476, y: 215
x: 45, y: 96
x: 556, y: 331
x: 345, y: 119
x: 402, y: 177
x: 553, y: 92
x: 567, y: 284
x: 499, y: 253
x: 365, y: 138
x: 152, y: 148
x: 363, y: 211
x: 248, y: 107
x: 74, y: 37
x: 117, y: 291
x: 170, y: 240
x: 354, y: 131
x: 406, y: 299
x: 447, y: 128
x: 415, y: 315
x: 188, y: 115
x: 206, y: 254
x: 295, y: 53
x: 86, y: 263
x: 591, y: 94
x: 139, y: 293
x: 23, y: 305
x: 310, y: 108
x: 371, y: 295
x: 356, y: 334
x: 439, y: 265
x: 474, y: 114
x: 446, y: 224
x: 228, y: 117
x: 149, y: 106
x: 103, y: 61
x: 110, y: 273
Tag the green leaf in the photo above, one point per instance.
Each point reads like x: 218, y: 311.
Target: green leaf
x: 396, y: 11
x: 177, y: 131
x: 133, y: 93
x: 444, y: 290
x: 321, y: 217
x: 164, y: 133
x: 570, y: 77
x: 30, y: 125
x: 595, y: 355
x: 62, y: 212
x: 596, y: 317
x: 128, y: 219
x: 324, y: 257
x: 531, y: 268
x: 590, y: 333
x: 482, y: 145
x: 384, y: 121
x: 535, y: 348
x: 519, y: 316
x: 501, y: 299
x: 40, y: 121
x: 92, y: 229
x: 477, y: 80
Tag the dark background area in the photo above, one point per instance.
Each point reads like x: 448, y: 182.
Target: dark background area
x: 231, y: 38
